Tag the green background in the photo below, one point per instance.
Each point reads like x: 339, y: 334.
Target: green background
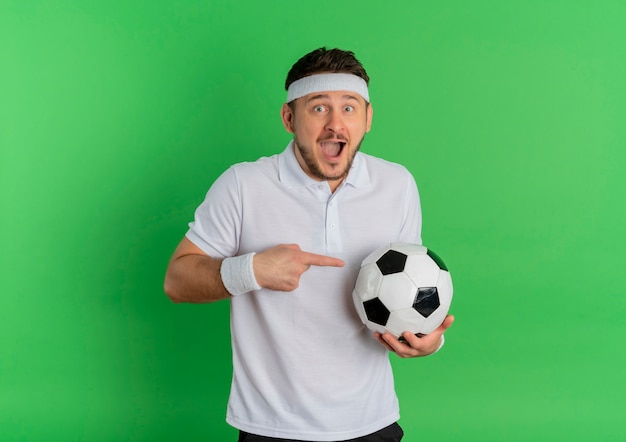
x: 115, y: 118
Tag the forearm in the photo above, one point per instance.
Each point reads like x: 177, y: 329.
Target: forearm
x: 192, y: 276
x: 194, y: 279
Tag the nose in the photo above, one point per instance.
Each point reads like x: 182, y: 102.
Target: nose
x: 334, y: 123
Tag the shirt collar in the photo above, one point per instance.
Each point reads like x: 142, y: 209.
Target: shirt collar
x: 292, y: 175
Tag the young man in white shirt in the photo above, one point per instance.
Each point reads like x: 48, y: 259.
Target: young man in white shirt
x: 282, y: 238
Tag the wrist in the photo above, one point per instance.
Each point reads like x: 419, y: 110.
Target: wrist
x: 237, y: 274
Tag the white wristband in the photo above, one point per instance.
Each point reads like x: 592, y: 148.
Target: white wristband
x: 238, y: 274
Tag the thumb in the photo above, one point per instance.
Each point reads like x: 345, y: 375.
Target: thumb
x: 447, y: 322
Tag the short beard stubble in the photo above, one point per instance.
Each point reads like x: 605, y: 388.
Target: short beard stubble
x: 315, y: 170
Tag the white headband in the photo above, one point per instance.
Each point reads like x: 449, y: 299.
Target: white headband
x: 327, y: 82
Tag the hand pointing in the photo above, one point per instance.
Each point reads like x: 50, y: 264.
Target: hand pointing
x: 280, y: 267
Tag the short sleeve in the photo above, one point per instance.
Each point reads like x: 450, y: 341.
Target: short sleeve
x: 217, y: 220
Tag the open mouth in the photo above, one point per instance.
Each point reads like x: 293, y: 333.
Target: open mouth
x: 332, y: 149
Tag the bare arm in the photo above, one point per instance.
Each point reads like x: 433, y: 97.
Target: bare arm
x: 193, y: 276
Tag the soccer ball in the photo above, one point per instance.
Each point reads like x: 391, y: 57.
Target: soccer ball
x: 403, y: 287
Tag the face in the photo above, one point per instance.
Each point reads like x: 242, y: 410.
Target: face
x: 328, y: 128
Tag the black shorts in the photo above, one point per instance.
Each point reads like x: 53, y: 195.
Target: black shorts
x: 392, y: 433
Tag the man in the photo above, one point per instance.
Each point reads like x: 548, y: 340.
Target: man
x: 283, y: 238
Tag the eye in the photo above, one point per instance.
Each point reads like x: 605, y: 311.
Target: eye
x: 318, y: 108
x: 349, y: 108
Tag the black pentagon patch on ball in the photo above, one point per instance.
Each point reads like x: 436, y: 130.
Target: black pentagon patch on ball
x: 391, y: 262
x: 426, y: 301
x: 437, y: 259
x: 376, y: 311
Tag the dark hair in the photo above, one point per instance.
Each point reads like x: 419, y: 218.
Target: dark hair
x: 326, y: 60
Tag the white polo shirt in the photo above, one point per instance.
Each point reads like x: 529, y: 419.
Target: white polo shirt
x: 304, y: 366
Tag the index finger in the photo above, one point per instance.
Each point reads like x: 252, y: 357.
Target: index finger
x: 322, y: 260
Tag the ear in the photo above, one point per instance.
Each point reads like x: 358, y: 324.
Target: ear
x: 286, y: 114
x: 368, y: 117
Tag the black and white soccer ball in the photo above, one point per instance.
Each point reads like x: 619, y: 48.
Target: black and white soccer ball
x: 401, y: 288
